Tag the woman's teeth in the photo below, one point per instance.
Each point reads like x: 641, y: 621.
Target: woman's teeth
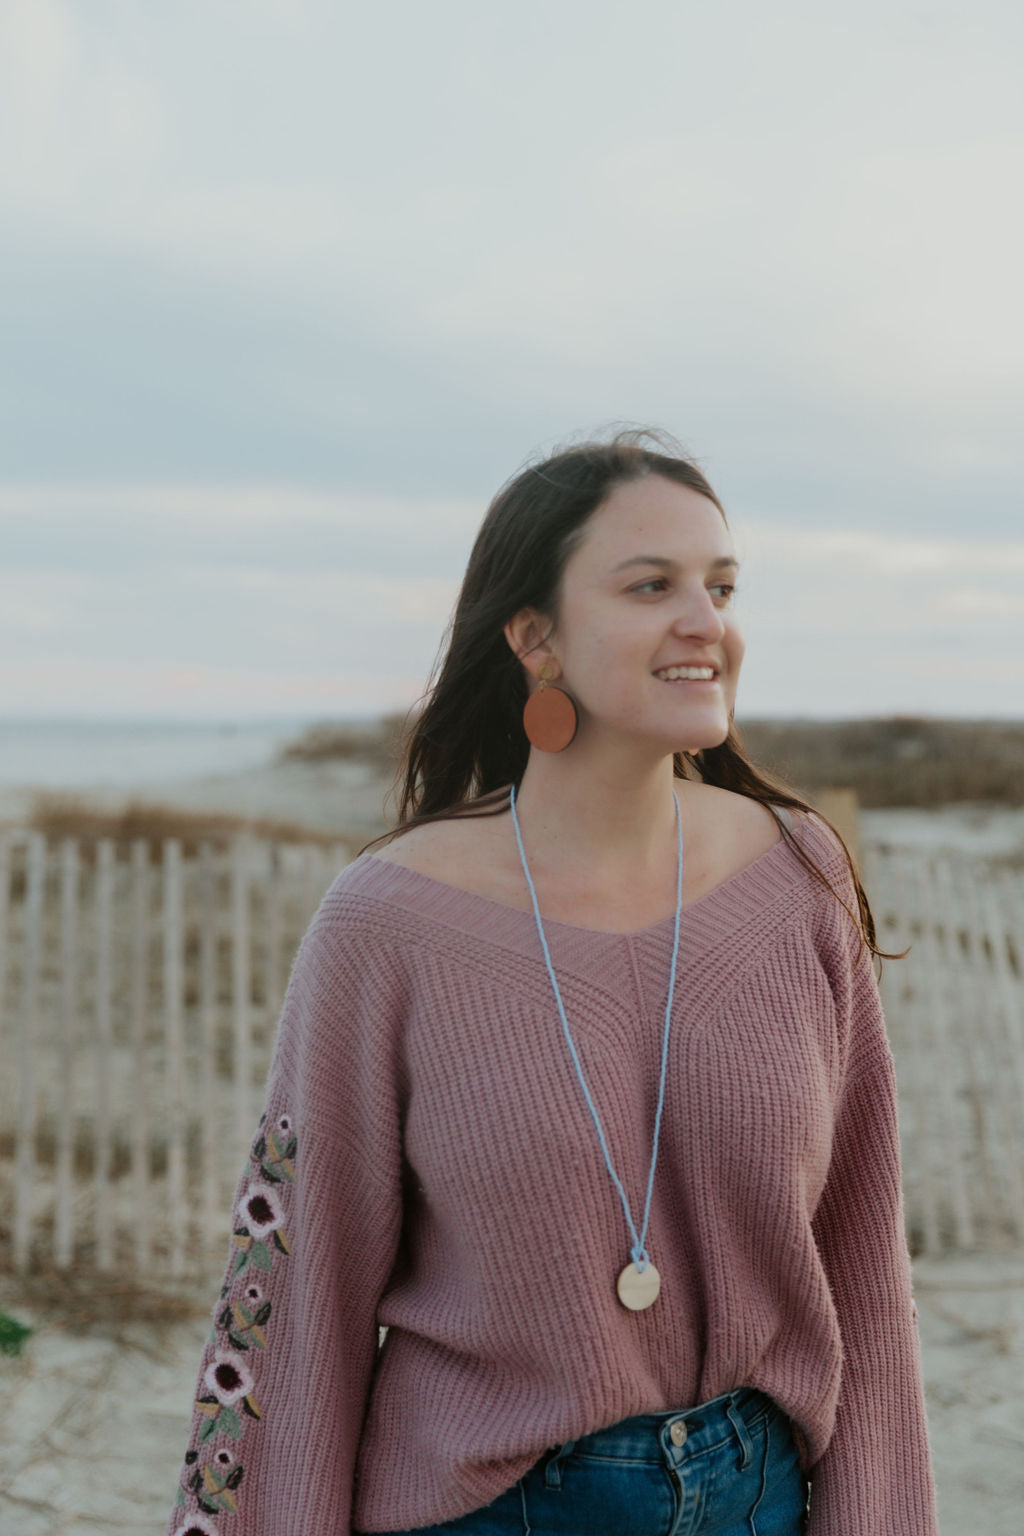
x: 689, y: 674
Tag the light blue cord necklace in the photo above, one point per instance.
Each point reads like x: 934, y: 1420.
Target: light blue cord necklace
x: 639, y: 1283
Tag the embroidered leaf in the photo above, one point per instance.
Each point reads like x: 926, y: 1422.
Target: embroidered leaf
x: 227, y: 1500
x: 180, y: 1501
x: 234, y: 1477
x: 208, y: 1405
x: 282, y: 1241
x: 236, y: 1340
x: 190, y: 1457
x: 242, y: 1317
x: 259, y: 1147
x: 195, y: 1480
x: 259, y: 1338
x: 251, y: 1407
x: 212, y: 1480
x: 208, y: 1428
x: 242, y: 1237
x: 259, y: 1255
x: 225, y: 1317
x: 240, y: 1262
x: 212, y: 1335
x: 263, y: 1315
x: 230, y: 1423
x: 206, y: 1507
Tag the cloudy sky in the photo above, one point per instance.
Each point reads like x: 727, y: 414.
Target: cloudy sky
x: 289, y: 287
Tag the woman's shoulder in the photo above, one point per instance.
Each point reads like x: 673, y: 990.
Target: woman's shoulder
x: 741, y: 823
x: 473, y: 852
x: 429, y: 847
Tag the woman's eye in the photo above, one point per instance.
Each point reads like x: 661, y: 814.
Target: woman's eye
x: 656, y: 584
x: 726, y: 587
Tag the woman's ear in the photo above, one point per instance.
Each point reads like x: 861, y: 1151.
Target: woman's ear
x: 527, y: 633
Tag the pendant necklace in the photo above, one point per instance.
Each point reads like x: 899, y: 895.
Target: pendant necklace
x: 639, y: 1283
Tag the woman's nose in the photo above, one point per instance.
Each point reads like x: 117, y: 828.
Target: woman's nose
x: 699, y: 616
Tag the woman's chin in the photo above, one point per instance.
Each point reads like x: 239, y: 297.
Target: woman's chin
x: 714, y: 736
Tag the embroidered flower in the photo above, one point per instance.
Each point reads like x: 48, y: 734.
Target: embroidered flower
x: 197, y: 1525
x: 227, y: 1378
x: 224, y: 1458
x: 253, y: 1295
x: 262, y: 1210
x: 229, y: 1383
x: 284, y: 1125
x: 261, y: 1216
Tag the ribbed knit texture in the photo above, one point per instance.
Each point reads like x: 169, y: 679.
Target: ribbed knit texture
x: 448, y: 1182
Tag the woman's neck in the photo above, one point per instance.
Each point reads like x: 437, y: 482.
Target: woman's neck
x: 614, y: 817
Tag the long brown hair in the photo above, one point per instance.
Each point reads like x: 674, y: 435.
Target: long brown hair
x: 466, y: 745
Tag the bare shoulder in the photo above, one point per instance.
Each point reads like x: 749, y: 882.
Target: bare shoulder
x: 743, y: 825
x: 449, y: 850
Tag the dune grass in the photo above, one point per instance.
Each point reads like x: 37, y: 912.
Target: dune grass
x: 894, y: 760
x: 59, y: 815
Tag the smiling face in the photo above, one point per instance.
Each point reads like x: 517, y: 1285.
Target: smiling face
x: 646, y: 592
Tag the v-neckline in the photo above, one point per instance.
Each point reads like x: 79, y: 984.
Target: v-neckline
x: 454, y: 892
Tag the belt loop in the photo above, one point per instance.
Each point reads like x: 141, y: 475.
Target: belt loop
x: 742, y: 1434
x: 522, y: 1498
x: 553, y: 1468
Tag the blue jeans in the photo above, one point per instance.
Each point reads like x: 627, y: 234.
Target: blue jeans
x: 725, y: 1468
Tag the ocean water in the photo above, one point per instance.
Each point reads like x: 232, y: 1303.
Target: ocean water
x: 56, y: 754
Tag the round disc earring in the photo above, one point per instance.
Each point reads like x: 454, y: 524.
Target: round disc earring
x: 549, y: 717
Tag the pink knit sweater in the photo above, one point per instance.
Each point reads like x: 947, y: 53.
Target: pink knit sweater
x: 427, y: 1162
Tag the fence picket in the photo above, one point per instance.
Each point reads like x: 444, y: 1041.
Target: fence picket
x: 210, y: 1173
x: 174, y: 1040
x: 63, y: 1233
x: 28, y: 1033
x: 104, y: 1044
x: 142, y: 1226
x: 275, y: 933
x: 241, y: 957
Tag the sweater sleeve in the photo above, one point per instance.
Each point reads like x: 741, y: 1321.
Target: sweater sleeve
x: 875, y: 1478
x: 286, y: 1370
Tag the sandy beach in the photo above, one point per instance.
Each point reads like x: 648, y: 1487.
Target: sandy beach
x: 95, y: 1422
x: 95, y: 1417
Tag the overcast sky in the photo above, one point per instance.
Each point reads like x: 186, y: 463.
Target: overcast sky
x: 288, y: 289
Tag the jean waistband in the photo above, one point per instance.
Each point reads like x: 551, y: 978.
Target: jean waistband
x: 641, y: 1437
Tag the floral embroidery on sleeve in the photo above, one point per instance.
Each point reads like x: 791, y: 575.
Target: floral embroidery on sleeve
x: 227, y: 1397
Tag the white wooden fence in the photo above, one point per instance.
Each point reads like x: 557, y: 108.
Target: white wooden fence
x: 139, y: 997
x: 138, y: 1001
x: 955, y: 1012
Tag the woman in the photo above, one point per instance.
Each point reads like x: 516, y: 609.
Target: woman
x: 582, y: 1089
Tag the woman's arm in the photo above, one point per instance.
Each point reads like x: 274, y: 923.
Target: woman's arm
x: 285, y: 1373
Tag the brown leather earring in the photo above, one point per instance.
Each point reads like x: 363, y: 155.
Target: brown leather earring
x: 549, y: 717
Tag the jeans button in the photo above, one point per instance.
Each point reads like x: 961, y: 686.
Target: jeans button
x: 677, y: 1431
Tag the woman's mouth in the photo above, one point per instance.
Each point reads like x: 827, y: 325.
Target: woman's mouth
x: 701, y: 677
